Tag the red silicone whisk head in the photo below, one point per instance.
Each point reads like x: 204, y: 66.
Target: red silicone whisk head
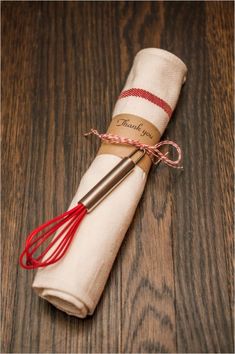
x: 65, y: 225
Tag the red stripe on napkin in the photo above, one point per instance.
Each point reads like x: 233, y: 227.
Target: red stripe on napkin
x: 137, y: 92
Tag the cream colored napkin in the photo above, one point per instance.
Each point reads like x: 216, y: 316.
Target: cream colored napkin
x: 75, y: 283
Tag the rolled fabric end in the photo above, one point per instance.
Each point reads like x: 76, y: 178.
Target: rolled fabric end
x: 64, y: 302
x: 153, y: 86
x: 76, y: 282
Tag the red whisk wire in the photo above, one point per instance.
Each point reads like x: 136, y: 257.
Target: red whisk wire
x: 69, y: 222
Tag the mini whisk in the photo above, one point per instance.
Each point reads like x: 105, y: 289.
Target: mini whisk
x: 67, y: 223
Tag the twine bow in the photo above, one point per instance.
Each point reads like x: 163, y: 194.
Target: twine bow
x: 151, y: 150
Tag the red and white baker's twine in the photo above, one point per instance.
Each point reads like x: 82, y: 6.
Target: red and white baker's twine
x: 151, y: 150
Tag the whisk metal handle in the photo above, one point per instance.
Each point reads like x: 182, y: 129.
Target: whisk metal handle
x: 111, y: 180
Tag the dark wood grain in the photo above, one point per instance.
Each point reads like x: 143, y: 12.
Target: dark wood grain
x: 63, y: 66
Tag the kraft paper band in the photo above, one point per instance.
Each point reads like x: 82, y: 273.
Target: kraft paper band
x: 133, y: 127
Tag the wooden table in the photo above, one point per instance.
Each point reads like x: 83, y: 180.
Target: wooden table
x: 63, y: 66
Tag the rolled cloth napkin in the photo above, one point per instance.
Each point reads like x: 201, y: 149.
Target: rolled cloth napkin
x: 76, y: 282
